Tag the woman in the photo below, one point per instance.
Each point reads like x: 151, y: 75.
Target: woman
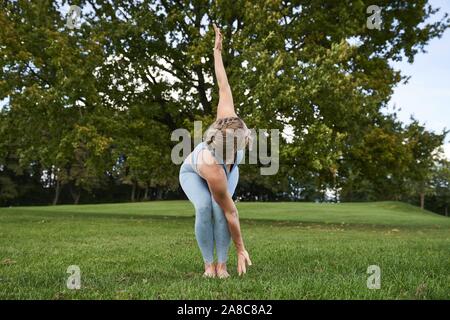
x: 209, y: 176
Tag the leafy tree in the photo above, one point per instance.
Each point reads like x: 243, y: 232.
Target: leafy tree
x: 86, y: 104
x: 441, y: 186
x: 424, y: 149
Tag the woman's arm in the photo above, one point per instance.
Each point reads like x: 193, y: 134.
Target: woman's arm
x: 225, y: 108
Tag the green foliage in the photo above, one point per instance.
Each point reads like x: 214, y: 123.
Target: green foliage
x: 440, y: 182
x: 100, y: 102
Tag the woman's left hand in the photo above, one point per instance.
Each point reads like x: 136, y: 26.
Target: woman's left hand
x: 243, y: 261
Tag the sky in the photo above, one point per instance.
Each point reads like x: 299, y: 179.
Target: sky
x: 427, y: 94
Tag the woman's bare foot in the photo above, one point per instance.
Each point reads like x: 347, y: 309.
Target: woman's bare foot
x: 221, y: 271
x: 210, y: 270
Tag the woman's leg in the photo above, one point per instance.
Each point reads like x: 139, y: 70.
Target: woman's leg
x: 198, y: 193
x: 221, y: 232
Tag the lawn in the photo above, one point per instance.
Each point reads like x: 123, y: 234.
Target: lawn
x: 299, y: 251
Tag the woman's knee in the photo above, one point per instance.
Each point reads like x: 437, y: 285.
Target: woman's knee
x: 219, y: 216
x: 203, y: 210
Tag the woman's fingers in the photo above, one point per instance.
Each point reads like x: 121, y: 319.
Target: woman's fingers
x: 243, y: 260
x: 219, y: 37
x: 241, y: 267
x: 247, y: 258
x: 217, y: 30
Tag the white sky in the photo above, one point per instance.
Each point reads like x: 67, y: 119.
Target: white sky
x: 427, y: 94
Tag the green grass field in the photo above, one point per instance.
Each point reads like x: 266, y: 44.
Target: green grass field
x: 299, y: 251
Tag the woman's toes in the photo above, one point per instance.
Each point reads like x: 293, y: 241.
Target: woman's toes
x: 210, y: 271
x: 207, y: 274
x: 223, y: 274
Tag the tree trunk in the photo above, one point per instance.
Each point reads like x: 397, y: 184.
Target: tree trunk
x: 133, y: 192
x: 57, y: 192
x: 146, y: 193
x: 139, y: 194
x: 422, y: 200
x: 76, y: 194
x: 159, y: 194
x: 77, y: 197
x: 446, y: 211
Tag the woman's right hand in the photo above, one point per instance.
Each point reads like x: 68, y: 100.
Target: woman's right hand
x: 243, y: 260
x: 219, y: 37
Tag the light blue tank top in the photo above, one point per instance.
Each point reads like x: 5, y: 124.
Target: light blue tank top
x: 203, y: 145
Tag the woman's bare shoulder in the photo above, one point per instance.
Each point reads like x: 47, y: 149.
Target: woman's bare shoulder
x: 205, y: 158
x: 207, y: 164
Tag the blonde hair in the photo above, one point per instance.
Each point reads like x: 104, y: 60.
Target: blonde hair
x: 219, y: 132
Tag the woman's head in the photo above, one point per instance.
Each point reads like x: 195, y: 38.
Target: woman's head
x: 228, y: 135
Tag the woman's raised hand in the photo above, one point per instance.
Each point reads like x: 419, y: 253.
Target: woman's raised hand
x: 219, y: 37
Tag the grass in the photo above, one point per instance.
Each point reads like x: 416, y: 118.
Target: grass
x: 299, y: 251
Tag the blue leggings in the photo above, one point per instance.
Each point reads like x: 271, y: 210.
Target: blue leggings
x: 210, y: 222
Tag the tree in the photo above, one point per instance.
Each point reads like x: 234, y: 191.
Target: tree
x: 441, y: 186
x: 311, y: 66
x: 424, y: 148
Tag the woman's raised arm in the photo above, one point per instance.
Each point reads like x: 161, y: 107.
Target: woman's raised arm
x: 225, y: 108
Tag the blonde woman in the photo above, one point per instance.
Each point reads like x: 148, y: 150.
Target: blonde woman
x: 209, y: 177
